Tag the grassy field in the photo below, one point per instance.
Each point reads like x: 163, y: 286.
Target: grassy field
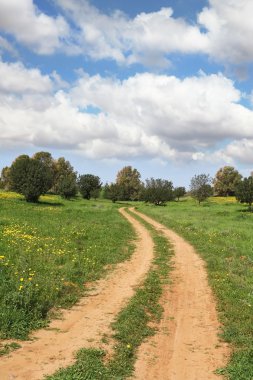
x: 48, y: 251
x: 221, y: 231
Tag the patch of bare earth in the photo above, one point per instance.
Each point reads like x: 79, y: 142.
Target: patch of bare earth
x: 85, y: 324
x: 186, y: 346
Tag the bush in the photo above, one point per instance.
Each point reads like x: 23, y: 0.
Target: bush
x: 244, y: 191
x: 30, y: 178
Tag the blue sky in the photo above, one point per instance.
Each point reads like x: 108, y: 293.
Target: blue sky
x: 164, y: 86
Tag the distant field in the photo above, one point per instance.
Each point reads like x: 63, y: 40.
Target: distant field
x: 48, y: 251
x: 221, y: 231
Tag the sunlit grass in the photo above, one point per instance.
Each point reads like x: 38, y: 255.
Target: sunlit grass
x: 47, y: 253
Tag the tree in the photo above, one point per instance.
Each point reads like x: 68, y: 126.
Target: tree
x: 63, y: 174
x: 200, y: 187
x: 5, y: 178
x: 226, y: 180
x: 30, y: 178
x: 179, y: 192
x: 67, y: 186
x: 244, y: 191
x: 158, y: 191
x: 129, y: 184
x: 88, y: 185
x: 112, y: 192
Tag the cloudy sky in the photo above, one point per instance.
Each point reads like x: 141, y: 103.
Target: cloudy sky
x: 163, y: 85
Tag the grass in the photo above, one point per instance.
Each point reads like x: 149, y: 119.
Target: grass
x: 131, y: 328
x: 221, y: 231
x: 48, y: 251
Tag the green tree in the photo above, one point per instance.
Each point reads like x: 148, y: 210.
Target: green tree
x: 158, y: 191
x: 30, y: 178
x: 226, y: 180
x: 88, y: 185
x: 200, y: 187
x: 179, y: 192
x: 67, y: 185
x: 129, y: 182
x: 112, y: 192
x: 5, y: 178
x: 63, y: 174
x: 244, y: 191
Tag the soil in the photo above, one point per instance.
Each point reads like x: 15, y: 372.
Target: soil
x: 186, y: 346
x: 85, y: 324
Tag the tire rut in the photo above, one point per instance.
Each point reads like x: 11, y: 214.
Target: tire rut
x: 187, y: 344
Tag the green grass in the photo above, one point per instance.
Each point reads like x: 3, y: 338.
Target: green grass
x: 48, y: 251
x: 131, y: 327
x: 221, y: 231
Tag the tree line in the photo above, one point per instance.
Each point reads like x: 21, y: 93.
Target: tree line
x: 41, y: 174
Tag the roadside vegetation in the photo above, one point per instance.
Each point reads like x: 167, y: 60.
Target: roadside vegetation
x: 49, y: 250
x: 221, y: 231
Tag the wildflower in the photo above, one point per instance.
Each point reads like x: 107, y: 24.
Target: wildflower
x: 129, y: 346
x: 21, y: 287
x: 21, y: 279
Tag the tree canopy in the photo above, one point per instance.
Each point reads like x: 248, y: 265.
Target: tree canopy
x: 244, y: 191
x: 200, y: 187
x: 226, y: 180
x: 89, y: 185
x: 129, y: 184
x: 158, y: 191
x: 30, y: 177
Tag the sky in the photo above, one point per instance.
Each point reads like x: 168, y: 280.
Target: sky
x: 165, y: 86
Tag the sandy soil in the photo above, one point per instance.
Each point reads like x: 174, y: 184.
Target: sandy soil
x: 85, y: 323
x: 187, y: 346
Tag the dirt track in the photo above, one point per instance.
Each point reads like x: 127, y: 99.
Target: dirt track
x: 189, y: 348
x: 85, y: 324
x: 186, y: 346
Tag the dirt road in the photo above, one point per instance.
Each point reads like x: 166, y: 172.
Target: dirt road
x: 187, y: 346
x: 85, y: 324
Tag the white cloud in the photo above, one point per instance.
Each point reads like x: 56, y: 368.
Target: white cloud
x: 16, y: 79
x: 6, y: 46
x: 229, y: 30
x: 147, y: 38
x: 147, y: 115
x: 35, y: 29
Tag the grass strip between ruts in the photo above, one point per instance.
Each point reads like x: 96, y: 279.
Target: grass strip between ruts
x: 131, y: 327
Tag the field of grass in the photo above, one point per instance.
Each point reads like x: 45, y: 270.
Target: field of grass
x: 221, y: 231
x: 48, y: 251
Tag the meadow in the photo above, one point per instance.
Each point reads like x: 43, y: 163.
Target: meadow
x: 221, y: 231
x: 48, y: 251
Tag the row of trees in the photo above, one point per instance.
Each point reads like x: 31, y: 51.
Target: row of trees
x: 39, y: 174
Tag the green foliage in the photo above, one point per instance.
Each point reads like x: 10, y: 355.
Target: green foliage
x: 179, y: 192
x: 158, y: 191
x: 244, y: 191
x: 200, y: 187
x: 30, y: 178
x: 5, y: 182
x: 89, y: 185
x: 64, y: 178
x: 48, y: 251
x: 128, y: 184
x: 111, y: 192
x: 226, y: 180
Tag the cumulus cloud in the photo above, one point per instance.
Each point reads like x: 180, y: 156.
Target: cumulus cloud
x: 15, y: 78
x: 147, y: 38
x: 229, y: 30
x: 36, y: 30
x: 222, y: 31
x: 147, y: 115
